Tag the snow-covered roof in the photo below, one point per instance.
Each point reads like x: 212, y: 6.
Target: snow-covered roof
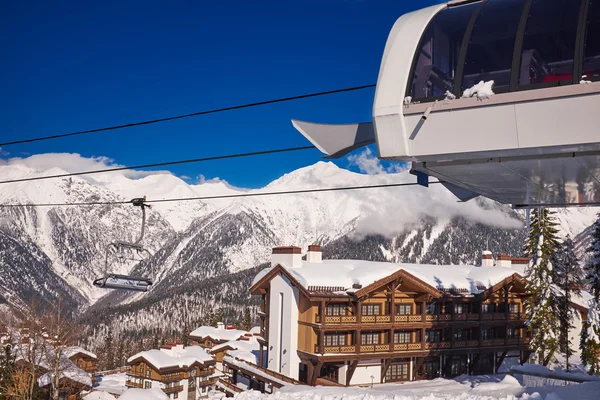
x: 244, y: 355
x: 99, y: 396
x: 248, y: 345
x: 255, y: 330
x: 219, y: 333
x: 346, y: 273
x: 144, y: 394
x: 73, y: 350
x: 177, y: 356
x: 582, y: 300
x: 113, y: 383
x: 69, y: 371
x: 252, y: 368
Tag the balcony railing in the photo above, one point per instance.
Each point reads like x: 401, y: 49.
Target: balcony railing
x: 130, y: 383
x: 207, y: 382
x: 400, y: 347
x: 413, y: 318
x: 172, y: 378
x: 173, y: 389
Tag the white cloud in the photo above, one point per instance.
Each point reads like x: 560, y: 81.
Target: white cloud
x: 73, y: 162
x: 368, y: 163
x: 185, y: 177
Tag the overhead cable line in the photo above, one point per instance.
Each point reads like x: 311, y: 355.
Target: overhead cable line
x: 162, y: 164
x: 226, y: 196
x: 194, y: 114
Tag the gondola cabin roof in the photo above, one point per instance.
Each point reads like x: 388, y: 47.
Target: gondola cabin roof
x: 498, y: 98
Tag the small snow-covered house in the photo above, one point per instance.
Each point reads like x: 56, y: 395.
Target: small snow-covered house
x: 180, y: 372
x: 353, y: 322
x: 210, y: 336
x: 84, y: 359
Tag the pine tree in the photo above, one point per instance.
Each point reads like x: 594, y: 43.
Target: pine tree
x: 7, y: 370
x: 217, y: 317
x: 589, y: 341
x: 247, y: 322
x: 542, y: 305
x: 109, y: 351
x: 569, y: 278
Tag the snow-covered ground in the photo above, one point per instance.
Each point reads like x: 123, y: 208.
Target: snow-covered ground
x: 113, y: 384
x: 462, y: 388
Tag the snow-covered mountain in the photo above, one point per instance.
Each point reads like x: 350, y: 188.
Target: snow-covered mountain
x: 52, y: 251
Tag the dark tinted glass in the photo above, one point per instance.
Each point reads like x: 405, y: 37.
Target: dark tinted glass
x: 435, y: 65
x: 491, y: 45
x: 591, y: 61
x: 549, y: 42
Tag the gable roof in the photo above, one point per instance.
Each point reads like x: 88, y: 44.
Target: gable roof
x: 218, y: 333
x: 174, y: 358
x: 345, y: 277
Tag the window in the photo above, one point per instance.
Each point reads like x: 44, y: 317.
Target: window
x: 148, y: 372
x: 402, y: 337
x: 335, y: 339
x: 336, y: 309
x: 512, y: 333
x: 397, y: 372
x: 491, y: 44
x: 371, y: 309
x: 147, y: 385
x: 461, y: 334
x: 369, y: 338
x: 487, y: 333
x: 175, y: 395
x: 432, y: 335
x: 403, y: 309
x: 435, y: 64
x: 591, y: 53
x: 488, y: 308
x: 549, y: 43
x: 460, y: 308
x: 458, y: 366
x: 513, y: 308
x: 434, y: 308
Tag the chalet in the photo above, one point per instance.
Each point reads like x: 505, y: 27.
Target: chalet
x: 83, y: 359
x: 353, y: 322
x: 209, y: 336
x: 181, y: 372
x: 242, y: 349
x: 74, y: 382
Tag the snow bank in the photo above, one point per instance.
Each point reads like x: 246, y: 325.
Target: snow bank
x: 541, y: 371
x: 114, y: 383
x: 144, y: 394
x: 482, y: 90
x: 99, y: 396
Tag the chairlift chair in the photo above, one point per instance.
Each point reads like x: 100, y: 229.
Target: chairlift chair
x: 123, y: 251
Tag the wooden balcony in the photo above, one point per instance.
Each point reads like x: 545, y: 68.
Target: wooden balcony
x: 173, y: 389
x: 408, y: 347
x: 230, y: 386
x: 207, y: 382
x: 132, y: 384
x: 173, y: 377
x: 416, y: 318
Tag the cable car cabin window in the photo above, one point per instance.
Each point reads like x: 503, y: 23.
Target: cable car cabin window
x: 491, y: 45
x: 549, y: 43
x: 591, y: 60
x: 435, y: 64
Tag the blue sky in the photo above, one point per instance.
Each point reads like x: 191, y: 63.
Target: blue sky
x: 74, y: 65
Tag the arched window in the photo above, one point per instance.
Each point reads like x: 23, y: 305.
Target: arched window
x: 549, y: 43
x: 591, y: 53
x: 491, y: 44
x: 435, y: 63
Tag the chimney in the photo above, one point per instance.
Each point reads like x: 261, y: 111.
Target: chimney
x: 314, y: 254
x: 486, y: 259
x: 220, y: 325
x: 287, y: 256
x: 504, y: 261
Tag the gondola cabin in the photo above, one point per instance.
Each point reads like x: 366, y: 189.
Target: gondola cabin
x: 499, y: 98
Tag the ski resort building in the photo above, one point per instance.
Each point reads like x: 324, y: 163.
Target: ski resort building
x: 351, y: 322
x: 181, y: 372
x: 83, y: 359
x: 210, y: 336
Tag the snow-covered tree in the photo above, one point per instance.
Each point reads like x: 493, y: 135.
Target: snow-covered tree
x: 568, y: 276
x: 590, y: 342
x: 542, y: 305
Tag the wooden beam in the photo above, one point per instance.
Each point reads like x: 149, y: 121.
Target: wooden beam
x: 384, y: 370
x: 350, y: 372
x: 316, y: 373
x: 499, y: 361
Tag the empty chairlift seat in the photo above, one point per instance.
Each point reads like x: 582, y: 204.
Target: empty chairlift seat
x: 533, y: 141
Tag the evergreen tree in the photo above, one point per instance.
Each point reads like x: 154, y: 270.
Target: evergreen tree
x: 7, y: 369
x: 542, y: 305
x: 156, y: 341
x: 592, y: 267
x: 569, y: 278
x: 109, y: 351
x: 121, y: 358
x: 247, y: 322
x: 217, y: 317
x: 589, y: 342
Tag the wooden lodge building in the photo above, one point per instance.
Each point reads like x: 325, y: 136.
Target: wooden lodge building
x: 181, y: 372
x: 351, y: 322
